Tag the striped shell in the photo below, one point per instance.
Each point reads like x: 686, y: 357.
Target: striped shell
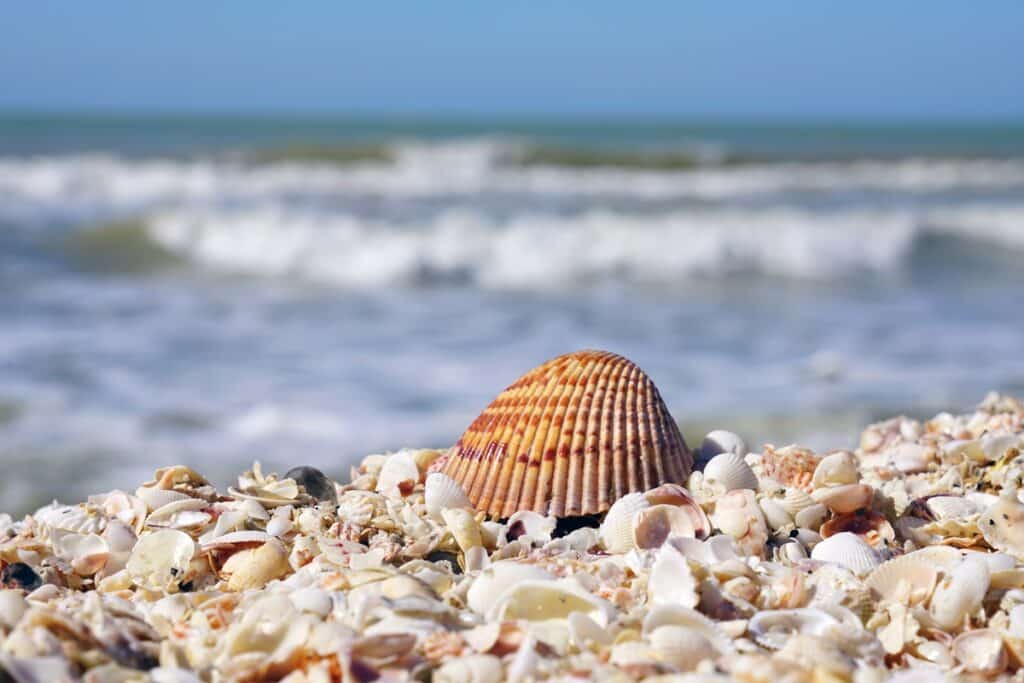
x: 569, y: 438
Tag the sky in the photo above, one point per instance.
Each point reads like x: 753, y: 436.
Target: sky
x: 934, y: 59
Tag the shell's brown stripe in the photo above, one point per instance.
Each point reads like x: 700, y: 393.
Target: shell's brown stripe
x: 575, y: 497
x: 537, y: 491
x: 500, y: 440
x: 605, y: 438
x: 670, y: 456
x: 592, y: 492
x: 620, y: 473
x: 678, y: 454
x: 513, y: 431
x: 521, y: 469
x: 634, y: 455
x: 548, y: 496
x: 650, y: 445
x: 563, y: 434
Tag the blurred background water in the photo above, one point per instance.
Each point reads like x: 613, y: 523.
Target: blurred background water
x: 217, y: 290
x: 797, y: 220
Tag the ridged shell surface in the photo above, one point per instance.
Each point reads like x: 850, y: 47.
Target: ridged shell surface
x: 569, y: 438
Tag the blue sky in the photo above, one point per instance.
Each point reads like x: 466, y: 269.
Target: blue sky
x: 938, y: 59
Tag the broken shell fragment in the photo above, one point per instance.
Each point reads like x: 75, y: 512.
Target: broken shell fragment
x: 569, y: 438
x: 160, y: 560
x: 981, y: 652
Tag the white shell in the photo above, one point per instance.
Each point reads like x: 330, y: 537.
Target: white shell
x: 811, y: 517
x: 671, y: 582
x: 774, y: 514
x: 653, y: 526
x: 731, y: 471
x: 159, y: 560
x: 772, y: 628
x: 583, y: 630
x: 155, y: 498
x: 489, y: 587
x: 981, y: 652
x: 399, y: 470
x: 541, y: 600
x: 721, y: 441
x: 844, y: 498
x: 441, y: 492
x: 87, y: 553
x: 681, y: 647
x: 794, y: 500
x: 836, y: 469
x: 312, y: 600
x: 471, y: 669
x: 12, y: 608
x: 235, y: 538
x: 951, y: 507
x: 849, y: 550
x: 532, y: 525
x: 960, y: 592
x: 908, y: 579
x: 617, y: 527
x: 463, y: 526
x: 74, y: 518
x: 677, y: 615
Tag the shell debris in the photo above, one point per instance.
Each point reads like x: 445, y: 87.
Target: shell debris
x: 902, y: 559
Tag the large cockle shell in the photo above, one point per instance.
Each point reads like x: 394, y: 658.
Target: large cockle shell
x: 569, y: 438
x: 848, y: 550
x: 731, y: 471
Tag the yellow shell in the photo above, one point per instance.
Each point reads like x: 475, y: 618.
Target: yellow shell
x: 569, y: 438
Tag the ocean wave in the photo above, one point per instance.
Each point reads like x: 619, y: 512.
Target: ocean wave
x: 544, y: 251
x: 97, y: 187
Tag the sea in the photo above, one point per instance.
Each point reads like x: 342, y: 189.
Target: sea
x: 216, y: 290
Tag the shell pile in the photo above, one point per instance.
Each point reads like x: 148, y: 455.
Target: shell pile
x: 901, y: 560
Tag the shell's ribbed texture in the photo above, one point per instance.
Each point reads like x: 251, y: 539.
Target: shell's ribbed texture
x: 569, y: 438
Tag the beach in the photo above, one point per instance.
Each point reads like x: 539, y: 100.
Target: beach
x: 216, y: 290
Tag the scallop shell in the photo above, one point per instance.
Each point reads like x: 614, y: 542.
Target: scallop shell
x: 909, y: 579
x: 442, y: 492
x: 794, y: 500
x: 731, y: 471
x: 848, y: 550
x: 569, y: 438
x: 617, y: 527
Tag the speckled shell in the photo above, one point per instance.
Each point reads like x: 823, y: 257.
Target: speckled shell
x: 569, y: 438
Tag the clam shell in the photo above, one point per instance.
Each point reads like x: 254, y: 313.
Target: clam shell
x: 541, y: 600
x: 772, y: 628
x: 981, y: 652
x: 721, y: 441
x: 732, y: 471
x: 569, y: 438
x: 960, y: 592
x: 655, y: 525
x: 441, y: 492
x: 845, y: 497
x: 617, y: 528
x: 159, y: 560
x: 836, y: 469
x: 848, y: 550
x: 399, y: 475
x: 951, y: 507
x: 909, y: 579
x: 671, y: 581
x: 255, y: 567
x: 681, y: 647
x: 677, y: 615
x: 488, y: 588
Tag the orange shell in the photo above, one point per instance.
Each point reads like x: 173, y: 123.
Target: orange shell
x: 569, y: 438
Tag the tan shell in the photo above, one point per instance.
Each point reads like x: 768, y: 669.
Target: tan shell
x: 569, y: 438
x: 791, y: 466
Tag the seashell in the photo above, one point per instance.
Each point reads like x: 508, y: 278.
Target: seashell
x: 235, y: 540
x: 910, y: 458
x: 12, y: 608
x: 463, y: 526
x: 791, y: 466
x: 811, y: 517
x: 960, y: 592
x: 255, y: 567
x: 617, y: 528
x: 981, y: 652
x: 836, y: 469
x: 848, y: 550
x: 772, y: 628
x: 721, y: 441
x: 541, y: 600
x: 678, y: 496
x: 470, y: 669
x: 671, y: 581
x: 442, y: 492
x: 661, y: 616
x: 873, y: 527
x: 79, y: 519
x: 569, y: 438
x: 529, y: 524
x: 731, y: 471
x: 583, y: 630
x: 908, y: 579
x: 794, y: 500
x: 488, y: 588
x: 655, y: 525
x: 1002, y: 525
x: 160, y: 560
x: 845, y: 498
x: 774, y: 514
x: 180, y: 514
x: 36, y: 669
x: 156, y: 498
x: 312, y: 600
x: 951, y: 507
x: 681, y: 647
x: 738, y: 515
x: 87, y: 553
x: 398, y: 476
x: 314, y: 482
